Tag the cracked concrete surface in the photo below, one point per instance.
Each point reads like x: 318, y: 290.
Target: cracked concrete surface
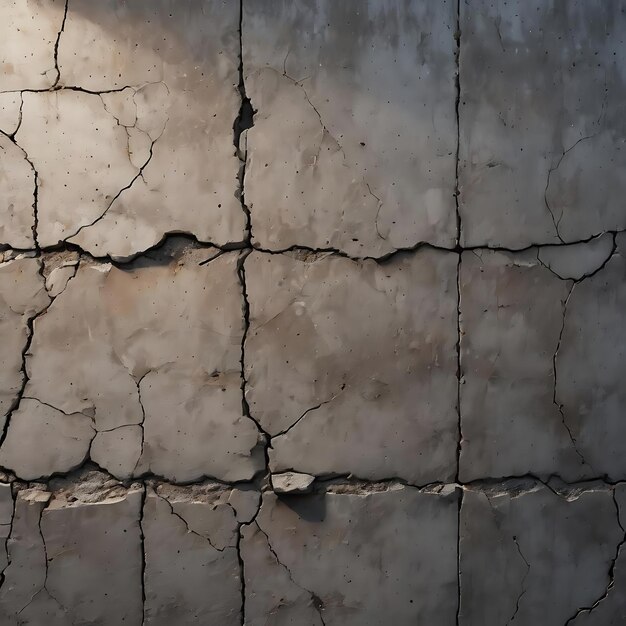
x: 340, y: 558
x: 354, y: 140
x: 529, y: 384
x: 192, y: 569
x: 330, y: 393
x: 141, y: 365
x: 312, y: 313
x: 541, y: 121
x: 542, y: 553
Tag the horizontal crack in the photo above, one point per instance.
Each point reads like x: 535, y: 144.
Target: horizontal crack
x: 254, y: 247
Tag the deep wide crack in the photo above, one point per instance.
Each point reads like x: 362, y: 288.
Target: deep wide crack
x: 457, y: 59
x: 242, y: 123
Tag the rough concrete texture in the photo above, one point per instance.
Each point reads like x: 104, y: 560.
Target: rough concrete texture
x: 109, y: 368
x: 341, y: 558
x: 542, y: 360
x: 543, y: 554
x: 312, y: 313
x: 330, y: 393
x: 142, y: 124
x: 543, y: 87
x: 354, y: 140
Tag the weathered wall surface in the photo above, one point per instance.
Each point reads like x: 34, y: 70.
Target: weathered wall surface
x: 312, y: 312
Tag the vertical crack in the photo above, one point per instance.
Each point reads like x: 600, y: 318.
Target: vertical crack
x: 523, y: 583
x: 557, y: 222
x: 242, y: 572
x: 56, y: 46
x: 316, y: 601
x: 30, y: 325
x: 457, y: 58
x: 241, y: 124
x: 44, y: 587
x: 243, y: 121
x: 457, y: 83
x: 242, y: 577
x: 6, y: 541
x: 142, y: 424
x: 35, y: 225
x: 555, y: 400
x: 241, y: 272
x: 142, y: 539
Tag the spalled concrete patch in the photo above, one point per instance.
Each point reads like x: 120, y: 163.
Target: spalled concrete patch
x: 351, y: 366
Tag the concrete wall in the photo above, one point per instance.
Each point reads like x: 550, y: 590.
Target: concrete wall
x: 312, y: 312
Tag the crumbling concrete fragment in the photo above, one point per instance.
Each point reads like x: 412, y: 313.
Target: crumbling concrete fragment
x: 29, y: 30
x: 150, y: 356
x: 530, y: 556
x: 354, y: 138
x: 292, y: 482
x: 22, y: 297
x: 155, y: 155
x: 58, y: 269
x: 351, y: 366
x: 352, y: 557
x: 541, y: 121
x: 192, y: 569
